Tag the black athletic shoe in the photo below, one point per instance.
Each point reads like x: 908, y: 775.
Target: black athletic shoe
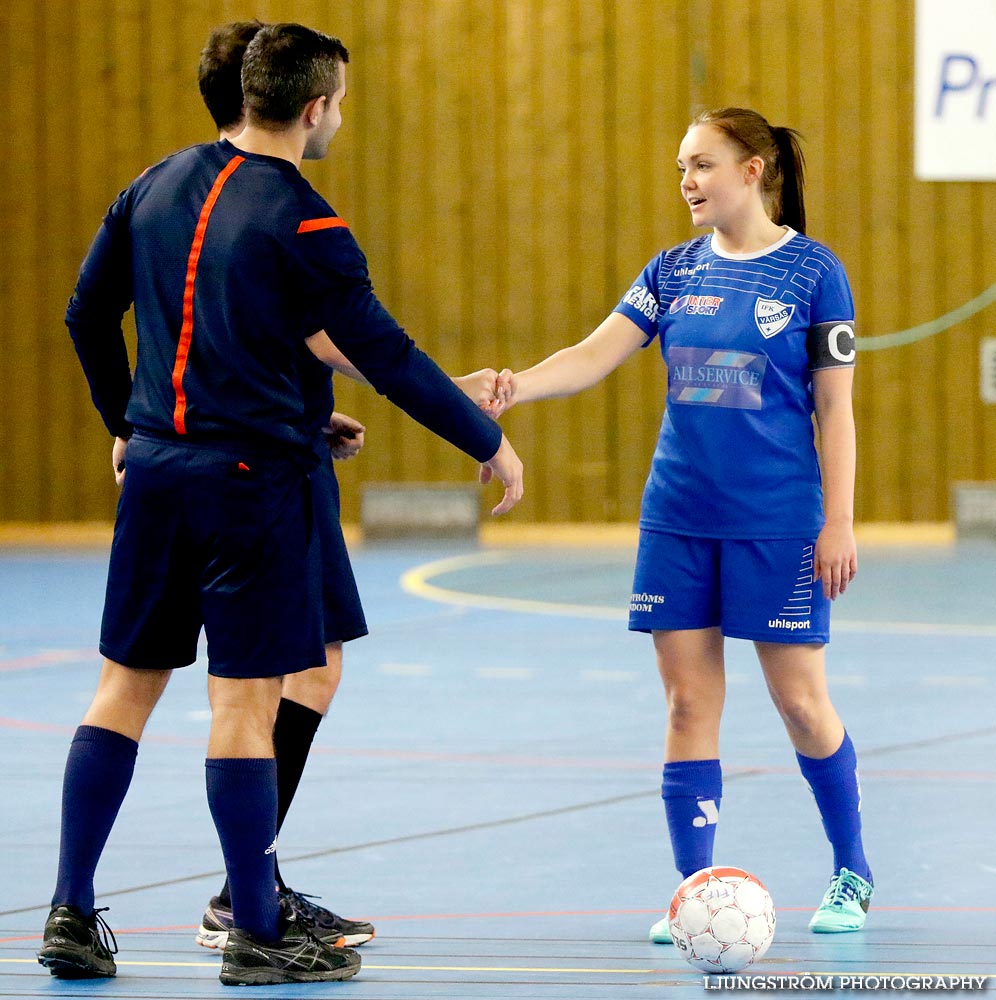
x: 77, y: 947
x: 215, y: 924
x: 324, y: 924
x: 298, y: 957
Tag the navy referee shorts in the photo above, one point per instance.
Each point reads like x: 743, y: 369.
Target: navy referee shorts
x: 341, y: 608
x: 219, y: 536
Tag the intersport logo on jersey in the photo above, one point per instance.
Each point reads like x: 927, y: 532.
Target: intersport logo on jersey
x: 772, y: 316
x: 696, y: 305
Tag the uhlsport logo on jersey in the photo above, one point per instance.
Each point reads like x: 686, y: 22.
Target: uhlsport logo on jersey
x: 696, y: 305
x: 772, y: 316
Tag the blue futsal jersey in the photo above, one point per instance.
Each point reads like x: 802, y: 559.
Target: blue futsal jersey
x: 741, y: 335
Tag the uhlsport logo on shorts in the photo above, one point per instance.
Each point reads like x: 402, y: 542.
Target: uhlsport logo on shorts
x: 788, y: 625
x: 772, y: 316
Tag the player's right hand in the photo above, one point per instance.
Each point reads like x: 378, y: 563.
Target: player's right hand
x: 507, y: 466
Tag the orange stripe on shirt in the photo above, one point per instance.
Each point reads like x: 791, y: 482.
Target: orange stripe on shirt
x: 332, y: 222
x: 187, y: 329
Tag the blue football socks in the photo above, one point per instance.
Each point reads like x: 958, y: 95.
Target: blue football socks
x: 691, y: 790
x: 834, y: 784
x: 242, y: 795
x: 293, y: 733
x: 98, y: 772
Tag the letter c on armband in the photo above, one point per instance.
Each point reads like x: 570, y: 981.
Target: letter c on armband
x: 833, y: 343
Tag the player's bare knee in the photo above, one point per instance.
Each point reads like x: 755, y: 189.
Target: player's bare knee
x: 801, y: 714
x: 688, y: 711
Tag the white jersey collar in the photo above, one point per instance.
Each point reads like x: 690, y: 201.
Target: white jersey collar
x: 790, y: 232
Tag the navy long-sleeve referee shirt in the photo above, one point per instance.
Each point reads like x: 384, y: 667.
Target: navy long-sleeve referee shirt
x: 232, y: 259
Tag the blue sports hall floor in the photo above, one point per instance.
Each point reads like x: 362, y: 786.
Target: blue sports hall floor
x: 486, y: 786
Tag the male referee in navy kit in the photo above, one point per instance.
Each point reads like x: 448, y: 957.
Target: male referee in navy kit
x: 231, y: 260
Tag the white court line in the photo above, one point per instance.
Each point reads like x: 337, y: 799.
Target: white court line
x: 405, y: 669
x: 612, y: 676
x: 505, y: 673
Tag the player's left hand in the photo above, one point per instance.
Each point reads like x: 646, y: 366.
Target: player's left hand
x: 343, y: 435
x: 835, y: 561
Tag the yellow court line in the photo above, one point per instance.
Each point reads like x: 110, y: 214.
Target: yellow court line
x: 416, y: 581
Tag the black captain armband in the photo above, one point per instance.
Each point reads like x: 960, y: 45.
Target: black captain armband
x: 831, y: 345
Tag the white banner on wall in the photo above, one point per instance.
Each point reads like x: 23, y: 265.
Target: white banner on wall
x: 956, y: 90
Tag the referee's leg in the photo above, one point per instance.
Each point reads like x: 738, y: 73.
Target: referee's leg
x: 98, y: 772
x: 241, y: 776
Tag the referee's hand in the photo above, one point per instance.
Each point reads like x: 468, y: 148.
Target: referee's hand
x: 507, y: 466
x: 118, y: 459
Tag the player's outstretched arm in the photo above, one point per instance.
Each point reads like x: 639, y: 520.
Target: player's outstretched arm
x: 836, y: 556
x: 507, y: 466
x: 574, y: 368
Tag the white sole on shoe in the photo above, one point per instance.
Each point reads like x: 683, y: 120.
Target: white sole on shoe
x: 355, y: 940
x: 211, y: 939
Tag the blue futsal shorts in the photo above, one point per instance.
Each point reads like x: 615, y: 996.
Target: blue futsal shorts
x: 219, y: 536
x: 751, y: 589
x: 341, y: 607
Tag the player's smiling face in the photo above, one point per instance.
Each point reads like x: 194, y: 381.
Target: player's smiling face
x: 714, y: 177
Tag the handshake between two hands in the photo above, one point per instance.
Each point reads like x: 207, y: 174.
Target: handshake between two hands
x: 494, y: 392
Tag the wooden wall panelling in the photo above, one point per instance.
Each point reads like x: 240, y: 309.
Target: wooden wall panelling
x: 26, y: 437
x: 507, y: 165
x: 58, y: 186
x: 874, y: 187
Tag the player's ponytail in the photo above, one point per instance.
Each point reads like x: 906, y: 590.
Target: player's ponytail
x: 791, y: 167
x: 782, y: 180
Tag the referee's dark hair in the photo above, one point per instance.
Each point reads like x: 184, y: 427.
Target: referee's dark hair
x: 284, y: 67
x: 782, y: 180
x: 219, y: 72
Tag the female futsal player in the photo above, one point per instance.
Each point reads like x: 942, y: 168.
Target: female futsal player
x: 738, y: 534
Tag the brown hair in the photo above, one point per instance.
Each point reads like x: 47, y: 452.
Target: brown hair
x: 782, y: 180
x: 219, y: 72
x: 285, y: 66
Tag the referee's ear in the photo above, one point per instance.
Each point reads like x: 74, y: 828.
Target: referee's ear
x: 314, y: 110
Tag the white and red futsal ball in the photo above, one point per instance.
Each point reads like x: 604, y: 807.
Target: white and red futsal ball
x: 721, y: 919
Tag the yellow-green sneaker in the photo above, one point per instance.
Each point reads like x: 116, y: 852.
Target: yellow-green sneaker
x: 844, y: 906
x: 660, y: 933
